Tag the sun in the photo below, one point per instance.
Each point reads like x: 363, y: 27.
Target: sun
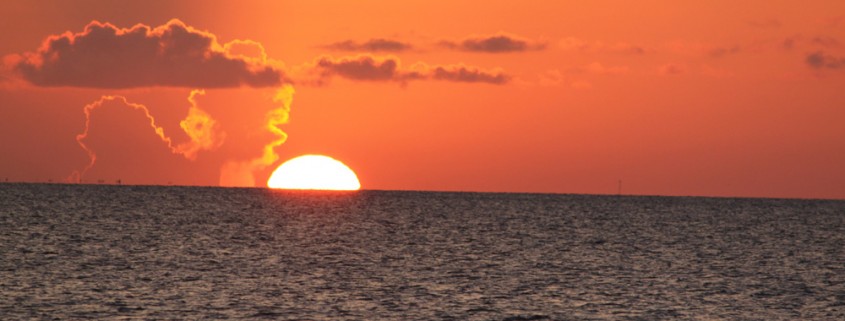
x: 314, y: 172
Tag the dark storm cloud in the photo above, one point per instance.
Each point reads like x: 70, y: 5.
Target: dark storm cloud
x: 369, y: 68
x: 174, y: 54
x: 500, y: 43
x: 820, y: 60
x: 373, y: 45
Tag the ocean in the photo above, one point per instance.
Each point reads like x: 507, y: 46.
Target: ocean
x: 187, y: 253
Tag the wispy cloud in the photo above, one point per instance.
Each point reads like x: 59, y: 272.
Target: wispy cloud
x: 625, y: 48
x: 820, y: 60
x: 671, y: 69
x: 703, y: 49
x: 498, y: 43
x: 599, y: 68
x: 372, y: 68
x: 718, y: 52
x: 372, y: 45
x: 814, y: 42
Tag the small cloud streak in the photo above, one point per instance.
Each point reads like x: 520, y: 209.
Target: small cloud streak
x: 672, y: 69
x: 372, y: 45
x: 598, y: 68
x: 703, y: 49
x: 463, y: 73
x: 815, y: 42
x: 623, y: 48
x: 834, y: 22
x: 819, y: 60
x: 370, y: 68
x: 719, y: 52
x: 173, y: 54
x: 552, y: 77
x: 824, y: 41
x: 499, y: 43
x: 789, y: 43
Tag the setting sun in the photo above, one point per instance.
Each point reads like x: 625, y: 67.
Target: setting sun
x: 314, y: 172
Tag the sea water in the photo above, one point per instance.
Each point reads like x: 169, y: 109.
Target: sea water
x: 145, y: 252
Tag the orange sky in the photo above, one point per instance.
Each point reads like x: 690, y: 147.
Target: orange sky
x: 715, y: 99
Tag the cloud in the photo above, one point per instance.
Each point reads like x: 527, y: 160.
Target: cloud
x: 370, y: 68
x: 203, y: 131
x: 201, y: 128
x: 834, y: 22
x: 364, y: 67
x: 789, y: 43
x: 624, y: 48
x: 372, y: 45
x: 718, y: 52
x: 500, y: 43
x: 820, y: 60
x: 598, y: 68
x: 552, y: 77
x: 242, y: 173
x: 173, y: 54
x: 703, y: 49
x: 463, y: 73
x: 672, y: 69
x: 824, y: 41
x: 77, y: 176
x: 815, y: 42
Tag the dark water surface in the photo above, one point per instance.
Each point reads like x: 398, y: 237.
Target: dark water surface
x: 140, y: 252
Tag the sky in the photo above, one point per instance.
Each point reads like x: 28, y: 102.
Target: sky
x: 711, y: 98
